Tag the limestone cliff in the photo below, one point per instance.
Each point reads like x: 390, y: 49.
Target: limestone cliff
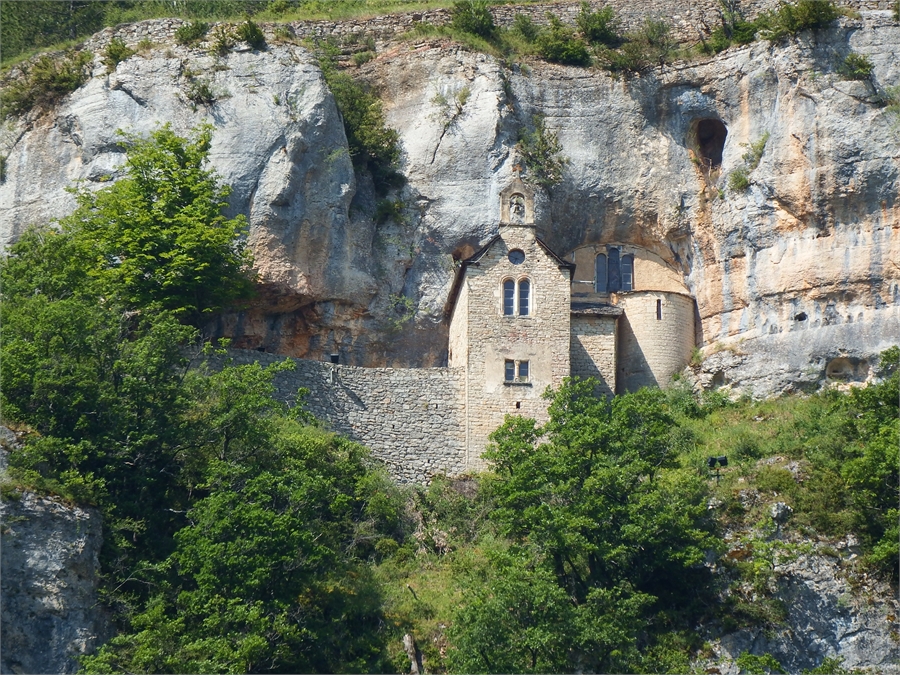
x: 49, y: 567
x: 794, y: 272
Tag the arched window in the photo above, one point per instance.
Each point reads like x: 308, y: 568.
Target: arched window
x: 509, y: 297
x: 524, y: 297
x: 612, y: 272
x: 517, y: 297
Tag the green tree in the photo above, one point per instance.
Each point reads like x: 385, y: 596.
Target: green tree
x: 558, y: 44
x: 269, y: 575
x: 593, y: 501
x: 473, y: 16
x: 157, y: 238
x: 600, y: 27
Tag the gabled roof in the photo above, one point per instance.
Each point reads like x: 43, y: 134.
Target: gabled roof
x: 475, y: 258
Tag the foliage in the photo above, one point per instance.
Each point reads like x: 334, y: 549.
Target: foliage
x: 250, y: 33
x: 473, y: 16
x: 734, y: 29
x: 758, y: 665
x: 755, y: 152
x: 651, y: 45
x: 43, y: 83
x: 222, y: 41
x: 739, y: 179
x: 116, y: 51
x: 359, y: 58
x: 541, y: 151
x: 856, y: 67
x: 157, y: 238
x: 600, y: 27
x: 525, y: 28
x: 373, y: 146
x: 790, y: 19
x: 605, y: 533
x: 190, y: 32
x: 200, y: 90
x: 558, y: 44
x: 268, y: 574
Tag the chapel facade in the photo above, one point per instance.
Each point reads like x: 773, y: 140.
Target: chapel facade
x: 523, y: 318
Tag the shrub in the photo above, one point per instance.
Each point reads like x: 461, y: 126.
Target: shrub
x: 360, y: 58
x: 651, y: 45
x: 473, y: 16
x: 558, y: 44
x: 116, y: 51
x: 739, y: 179
x: 524, y: 27
x: 791, y: 19
x: 856, y: 67
x: 753, y: 156
x: 45, y: 82
x: 222, y: 41
x: 373, y: 145
x: 250, y: 33
x: 200, y: 91
x: 600, y: 27
x: 188, y: 33
x: 540, y: 149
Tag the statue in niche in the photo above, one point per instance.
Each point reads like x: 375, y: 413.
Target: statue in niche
x: 517, y: 208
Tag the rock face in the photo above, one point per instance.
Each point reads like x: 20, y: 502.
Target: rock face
x: 832, y: 612
x: 791, y: 275
x: 49, y: 586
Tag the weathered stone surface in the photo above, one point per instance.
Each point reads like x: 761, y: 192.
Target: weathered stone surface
x: 833, y: 610
x: 49, y: 613
x: 815, y: 235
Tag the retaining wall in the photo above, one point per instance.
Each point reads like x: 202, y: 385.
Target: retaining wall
x: 688, y: 19
x: 411, y: 418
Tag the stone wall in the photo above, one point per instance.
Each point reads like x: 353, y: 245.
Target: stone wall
x: 593, y: 350
x: 656, y: 338
x: 411, y: 418
x: 688, y: 20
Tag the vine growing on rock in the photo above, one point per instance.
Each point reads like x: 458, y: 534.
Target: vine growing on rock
x: 373, y: 146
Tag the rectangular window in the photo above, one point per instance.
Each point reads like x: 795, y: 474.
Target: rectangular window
x: 509, y: 297
x: 659, y: 310
x: 600, y: 273
x: 628, y: 272
x: 524, y: 297
x: 510, y: 375
x: 523, y: 371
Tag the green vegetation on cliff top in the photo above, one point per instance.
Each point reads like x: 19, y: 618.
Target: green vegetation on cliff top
x: 242, y: 537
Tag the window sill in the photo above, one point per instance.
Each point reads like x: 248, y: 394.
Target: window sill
x: 516, y: 384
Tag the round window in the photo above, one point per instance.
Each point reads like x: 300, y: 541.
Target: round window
x: 516, y: 257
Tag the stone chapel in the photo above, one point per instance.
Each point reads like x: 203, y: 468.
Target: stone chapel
x: 522, y: 318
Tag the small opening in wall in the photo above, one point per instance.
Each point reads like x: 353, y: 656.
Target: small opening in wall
x: 518, y: 405
x: 659, y: 310
x: 800, y: 317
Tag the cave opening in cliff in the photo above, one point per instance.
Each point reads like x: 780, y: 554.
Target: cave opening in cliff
x: 709, y: 136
